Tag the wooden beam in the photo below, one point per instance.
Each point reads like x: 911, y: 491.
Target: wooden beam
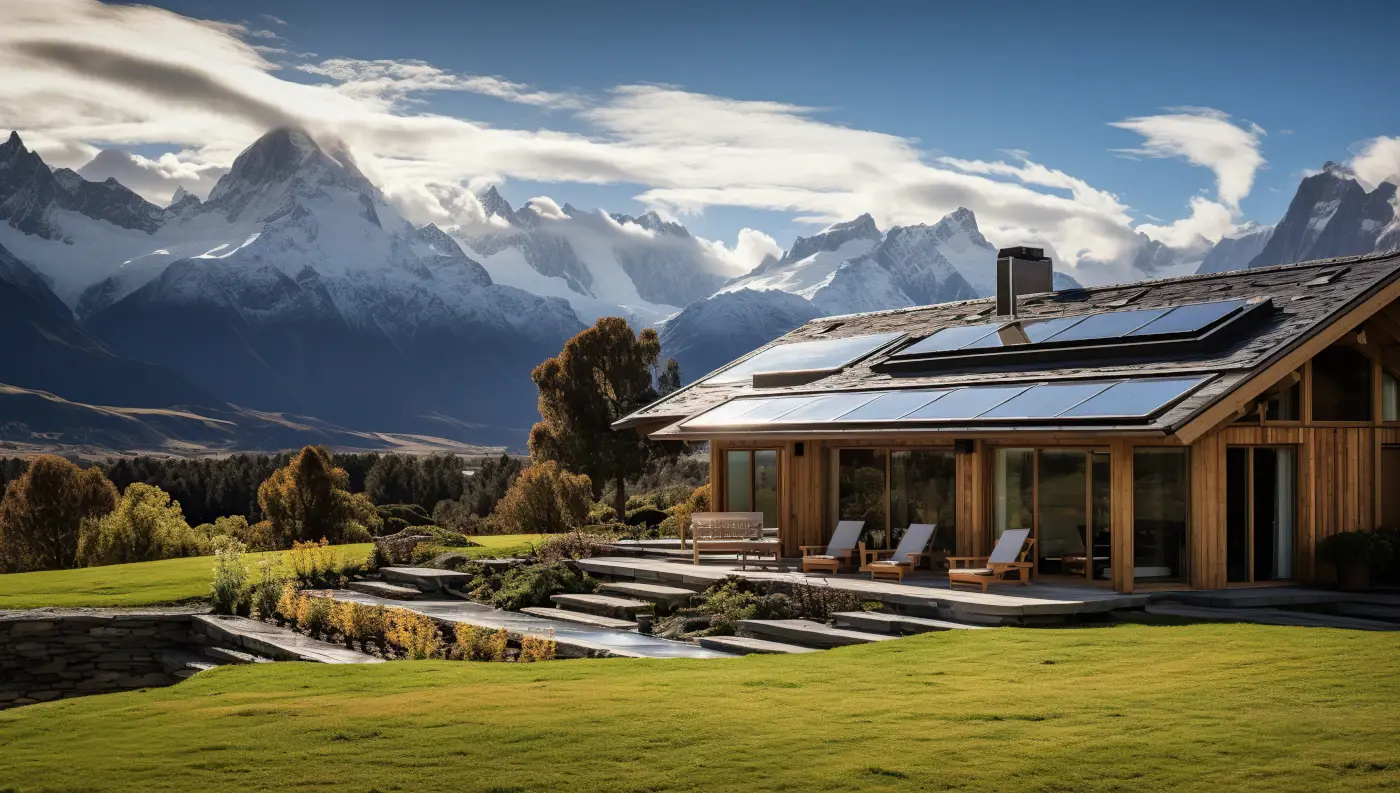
x: 1251, y: 387
x: 1121, y: 515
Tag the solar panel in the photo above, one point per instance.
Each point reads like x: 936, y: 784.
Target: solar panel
x: 1133, y: 398
x: 1040, y: 331
x: 1108, y: 326
x: 966, y: 403
x: 804, y: 356
x: 728, y: 413
x: 892, y: 405
x: 776, y: 408
x: 1045, y: 401
x: 950, y: 339
x: 825, y: 408
x: 1189, y: 319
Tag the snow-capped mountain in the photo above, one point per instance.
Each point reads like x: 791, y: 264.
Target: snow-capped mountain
x: 712, y: 332
x: 295, y: 287
x: 1237, y: 249
x: 809, y: 265
x: 1333, y: 215
x: 643, y: 267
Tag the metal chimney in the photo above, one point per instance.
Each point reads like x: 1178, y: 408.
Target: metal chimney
x: 1021, y: 271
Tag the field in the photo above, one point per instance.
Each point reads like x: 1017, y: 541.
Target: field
x: 164, y: 582
x: 1125, y: 708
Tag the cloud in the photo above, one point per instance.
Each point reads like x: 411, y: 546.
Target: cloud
x: 274, y: 20
x: 80, y: 73
x: 156, y: 179
x: 395, y: 83
x: 1377, y: 160
x: 1208, y: 222
x: 1204, y: 137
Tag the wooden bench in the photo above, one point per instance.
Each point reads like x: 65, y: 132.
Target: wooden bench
x: 737, y: 532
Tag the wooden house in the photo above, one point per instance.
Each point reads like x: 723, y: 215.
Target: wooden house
x: 1205, y: 431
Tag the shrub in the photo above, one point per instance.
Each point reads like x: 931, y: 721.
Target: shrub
x: 650, y: 517
x: 357, y: 622
x: 573, y: 545
x: 544, y: 499
x: 286, y: 609
x: 315, y: 565
x: 599, y: 512
x: 727, y: 603
x: 415, y: 635
x: 819, y: 602
x: 530, y: 585
x: 145, y: 525
x: 267, y: 592
x: 308, y: 498
x: 314, y: 615
x: 480, y: 644
x: 258, y: 537
x: 226, y: 590
x: 42, y: 513
x: 1351, y: 547
x: 536, y: 648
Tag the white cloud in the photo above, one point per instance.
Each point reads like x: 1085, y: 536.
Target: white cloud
x: 1208, y: 222
x: 79, y: 72
x: 155, y: 179
x: 1204, y: 137
x: 1377, y: 160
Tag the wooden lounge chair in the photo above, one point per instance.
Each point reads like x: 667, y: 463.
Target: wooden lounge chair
x: 837, y: 553
x: 906, y: 557
x: 1008, y: 557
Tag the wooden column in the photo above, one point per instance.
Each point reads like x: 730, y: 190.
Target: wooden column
x: 1121, y: 512
x: 1207, y: 532
x: 972, y: 501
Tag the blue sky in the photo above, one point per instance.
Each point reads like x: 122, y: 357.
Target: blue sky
x: 1000, y: 89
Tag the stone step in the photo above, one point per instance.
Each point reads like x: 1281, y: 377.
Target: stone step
x: 1265, y: 616
x: 270, y: 641
x: 424, y: 579
x: 895, y: 623
x: 666, y: 598
x: 183, y: 663
x: 604, y: 605
x: 747, y: 645
x: 811, y: 634
x: 1371, y: 611
x: 593, y: 620
x: 384, y: 589
x: 227, y: 656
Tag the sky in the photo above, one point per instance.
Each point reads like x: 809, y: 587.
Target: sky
x: 1085, y: 127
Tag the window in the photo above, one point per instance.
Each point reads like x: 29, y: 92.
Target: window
x: 1341, y: 385
x: 1015, y: 490
x: 1390, y: 397
x: 860, y: 493
x: 1284, y: 402
x: 892, y: 489
x: 751, y: 483
x: 1160, y: 502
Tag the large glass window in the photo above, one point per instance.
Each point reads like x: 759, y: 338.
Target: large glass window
x: 922, y: 487
x: 1260, y: 513
x: 751, y: 483
x: 860, y: 493
x: 1341, y: 385
x: 1015, y: 490
x: 1062, y: 508
x: 1159, y: 514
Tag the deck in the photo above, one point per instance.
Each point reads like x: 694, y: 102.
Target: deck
x: 924, y: 595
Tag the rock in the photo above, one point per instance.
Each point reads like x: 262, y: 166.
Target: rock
x: 449, y: 560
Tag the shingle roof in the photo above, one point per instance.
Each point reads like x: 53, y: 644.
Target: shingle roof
x: 1301, y: 310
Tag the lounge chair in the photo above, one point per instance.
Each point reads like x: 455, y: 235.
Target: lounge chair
x: 1008, y: 557
x: 837, y: 553
x: 906, y: 557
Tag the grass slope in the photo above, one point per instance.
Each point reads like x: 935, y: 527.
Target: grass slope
x: 1127, y: 708
x: 166, y: 581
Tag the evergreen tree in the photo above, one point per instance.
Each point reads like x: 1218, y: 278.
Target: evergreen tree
x: 307, y: 500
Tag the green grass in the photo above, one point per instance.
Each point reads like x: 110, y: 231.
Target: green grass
x: 164, y: 582
x: 1213, y: 708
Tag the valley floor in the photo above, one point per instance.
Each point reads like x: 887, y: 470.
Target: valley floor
x: 1126, y: 707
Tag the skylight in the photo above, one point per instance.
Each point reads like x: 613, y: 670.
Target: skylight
x: 1128, y: 400
x: 804, y: 356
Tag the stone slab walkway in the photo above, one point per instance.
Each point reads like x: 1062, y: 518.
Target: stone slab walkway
x: 282, y: 644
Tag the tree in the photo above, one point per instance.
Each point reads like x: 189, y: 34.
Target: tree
x: 603, y: 373
x: 307, y: 500
x: 669, y: 381
x: 544, y: 499
x: 42, y: 513
x: 145, y: 525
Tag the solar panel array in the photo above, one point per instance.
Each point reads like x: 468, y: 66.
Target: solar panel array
x: 1106, y: 327
x: 1111, y: 399
x: 821, y: 355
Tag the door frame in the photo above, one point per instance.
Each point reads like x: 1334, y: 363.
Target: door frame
x: 1088, y: 451
x: 1250, y: 526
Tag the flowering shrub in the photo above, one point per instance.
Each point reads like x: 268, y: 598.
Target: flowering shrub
x: 479, y: 644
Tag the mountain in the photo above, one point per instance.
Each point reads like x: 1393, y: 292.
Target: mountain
x: 641, y: 267
x: 812, y: 261
x: 712, y: 332
x: 295, y: 288
x: 1333, y: 215
x: 912, y: 266
x: 1236, y: 250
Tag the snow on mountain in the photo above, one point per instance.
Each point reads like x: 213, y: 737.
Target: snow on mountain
x: 642, y: 267
x: 1237, y: 249
x: 1332, y: 215
x: 812, y: 260
x: 712, y: 332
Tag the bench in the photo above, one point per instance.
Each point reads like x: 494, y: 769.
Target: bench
x: 737, y: 532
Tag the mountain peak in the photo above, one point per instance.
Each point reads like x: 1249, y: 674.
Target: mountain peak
x: 14, y: 139
x: 963, y: 217
x: 862, y: 226
x: 496, y: 204
x: 267, y: 172
x: 1338, y: 170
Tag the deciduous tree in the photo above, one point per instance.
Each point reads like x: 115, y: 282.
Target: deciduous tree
x: 544, y: 499
x: 307, y: 500
x: 145, y: 525
x: 603, y: 373
x: 42, y: 513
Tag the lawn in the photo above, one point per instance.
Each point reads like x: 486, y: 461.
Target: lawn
x: 1126, y: 708
x: 166, y: 581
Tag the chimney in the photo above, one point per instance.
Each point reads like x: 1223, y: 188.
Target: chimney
x: 1021, y: 271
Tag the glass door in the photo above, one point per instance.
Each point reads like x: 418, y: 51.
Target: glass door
x: 751, y: 483
x: 1260, y: 513
x: 1063, y: 496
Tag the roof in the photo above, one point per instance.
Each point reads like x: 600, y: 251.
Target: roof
x: 1303, y: 302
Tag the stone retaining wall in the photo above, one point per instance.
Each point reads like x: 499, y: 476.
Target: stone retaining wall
x: 50, y: 654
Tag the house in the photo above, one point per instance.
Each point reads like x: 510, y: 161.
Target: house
x: 1204, y: 432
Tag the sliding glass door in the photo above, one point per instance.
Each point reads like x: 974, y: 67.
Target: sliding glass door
x: 1260, y: 513
x: 1063, y: 496
x: 1160, y: 503
x: 751, y: 483
x: 891, y: 489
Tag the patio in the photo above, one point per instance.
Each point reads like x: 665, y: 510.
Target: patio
x: 921, y: 594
